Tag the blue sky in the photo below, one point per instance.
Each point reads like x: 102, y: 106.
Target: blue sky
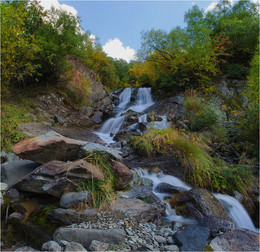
x: 118, y: 24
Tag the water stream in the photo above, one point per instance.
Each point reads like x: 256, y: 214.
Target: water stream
x: 143, y: 100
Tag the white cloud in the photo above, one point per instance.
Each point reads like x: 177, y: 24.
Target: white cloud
x: 211, y: 6
x: 115, y: 49
x: 47, y: 4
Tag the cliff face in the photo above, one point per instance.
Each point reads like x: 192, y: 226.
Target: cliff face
x: 84, y: 85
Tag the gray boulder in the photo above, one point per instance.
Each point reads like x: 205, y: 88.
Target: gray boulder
x: 74, y: 246
x: 97, y: 148
x: 97, y: 117
x: 14, y: 170
x: 51, y: 246
x: 26, y: 249
x: 236, y: 240
x: 192, y: 238
x: 70, y: 199
x: 63, y: 216
x: 98, y: 246
x: 86, y: 236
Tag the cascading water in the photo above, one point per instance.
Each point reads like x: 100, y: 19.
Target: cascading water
x: 113, y: 125
x: 235, y: 210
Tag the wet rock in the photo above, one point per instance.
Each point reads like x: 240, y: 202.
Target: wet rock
x: 97, y: 117
x: 69, y: 216
x: 56, y: 176
x: 167, y: 188
x: 198, y: 203
x: 192, y: 238
x: 13, y: 171
x: 97, y: 148
x: 122, y: 174
x: 70, y: 199
x: 134, y: 208
x: 47, y: 147
x: 236, y: 240
x: 139, y: 181
x: 123, y: 135
x: 216, y: 225
x: 86, y: 236
x: 51, y: 246
x: 26, y: 249
x: 57, y: 119
x: 98, y: 246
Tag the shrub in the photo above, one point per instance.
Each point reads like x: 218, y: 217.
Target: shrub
x: 200, y: 169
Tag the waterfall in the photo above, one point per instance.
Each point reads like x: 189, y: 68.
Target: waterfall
x: 235, y: 210
x: 113, y: 125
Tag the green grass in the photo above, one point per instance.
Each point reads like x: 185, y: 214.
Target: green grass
x: 12, y: 114
x: 200, y: 169
x: 102, y: 192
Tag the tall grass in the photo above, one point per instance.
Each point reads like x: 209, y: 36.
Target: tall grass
x: 200, y: 169
x: 102, y: 192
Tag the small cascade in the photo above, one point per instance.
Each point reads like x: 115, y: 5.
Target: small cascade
x: 113, y: 125
x: 235, y: 210
x: 163, y: 124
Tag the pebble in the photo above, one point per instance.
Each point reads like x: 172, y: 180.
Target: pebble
x: 139, y: 235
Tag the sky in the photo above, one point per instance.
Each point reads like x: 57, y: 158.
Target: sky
x: 118, y: 24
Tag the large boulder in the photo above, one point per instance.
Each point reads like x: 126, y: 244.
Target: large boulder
x: 56, y: 176
x: 122, y: 174
x: 47, y: 147
x: 167, y: 188
x: 236, y: 240
x: 192, y: 238
x: 63, y: 216
x: 135, y: 209
x: 86, y: 236
x: 90, y: 148
x: 198, y: 203
x: 14, y: 170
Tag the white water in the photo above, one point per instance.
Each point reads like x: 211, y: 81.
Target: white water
x: 235, y: 210
x: 113, y: 125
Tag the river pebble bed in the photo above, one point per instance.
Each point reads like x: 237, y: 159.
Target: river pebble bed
x: 139, y: 236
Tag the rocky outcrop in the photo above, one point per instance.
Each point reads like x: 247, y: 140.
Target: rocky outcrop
x: 48, y: 147
x: 236, y: 240
x: 84, y: 84
x: 56, y: 176
x: 198, y: 203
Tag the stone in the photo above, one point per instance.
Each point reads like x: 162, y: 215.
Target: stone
x: 3, y: 187
x: 238, y: 239
x: 97, y: 117
x: 12, y: 157
x: 86, y: 236
x: 63, y: 216
x: 70, y: 199
x: 133, y: 208
x: 192, y: 238
x: 97, y: 148
x: 47, y: 147
x: 160, y: 239
x: 57, y: 119
x: 198, y: 203
x: 13, y: 171
x: 216, y: 225
x: 122, y: 174
x: 98, y: 246
x: 74, y: 246
x: 3, y: 156
x: 56, y: 176
x: 167, y: 188
x: 51, y: 246
x: 26, y: 249
x: 171, y: 248
x: 12, y: 193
